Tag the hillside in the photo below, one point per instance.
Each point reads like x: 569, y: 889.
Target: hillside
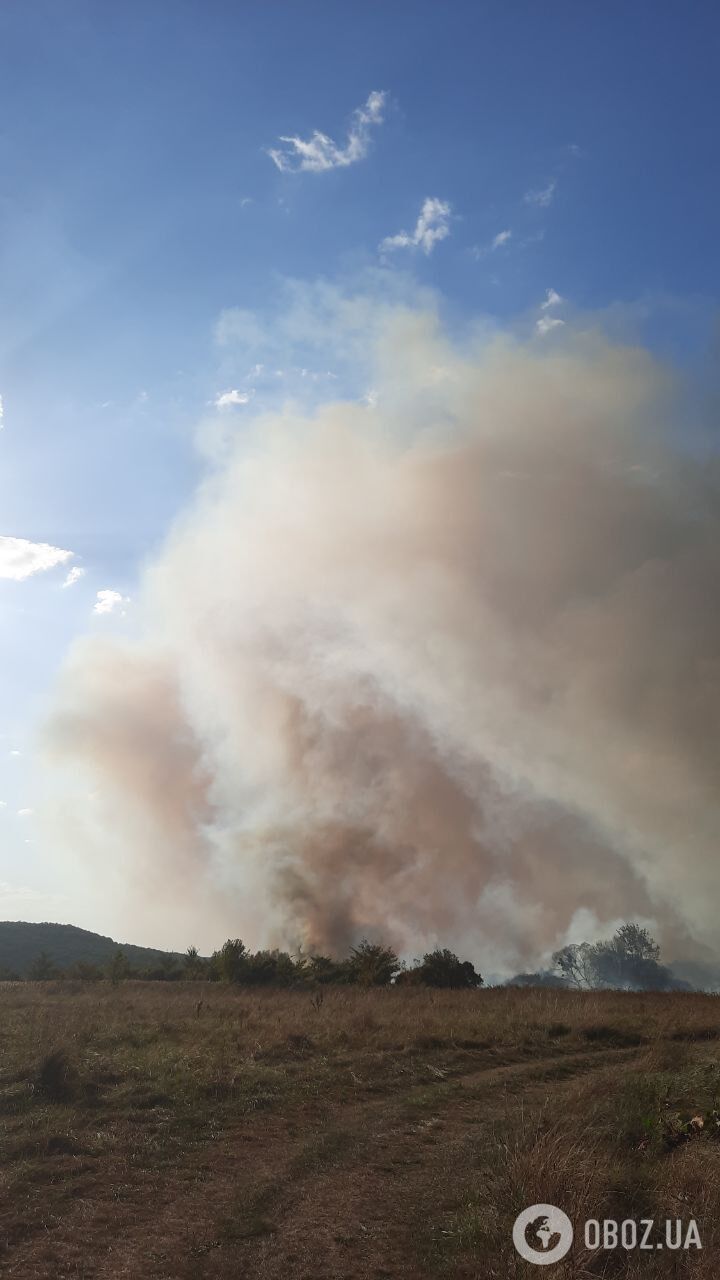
x: 65, y: 944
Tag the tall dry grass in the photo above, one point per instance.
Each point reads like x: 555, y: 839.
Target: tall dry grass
x: 102, y: 1085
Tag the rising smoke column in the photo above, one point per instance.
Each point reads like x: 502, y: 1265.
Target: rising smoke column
x: 444, y: 669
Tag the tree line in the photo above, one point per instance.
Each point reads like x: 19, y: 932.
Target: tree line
x: 369, y: 964
x: 630, y: 960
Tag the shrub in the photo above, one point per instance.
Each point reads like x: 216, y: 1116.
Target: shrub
x: 372, y: 965
x: 84, y: 971
x: 42, y: 968
x: 542, y: 978
x: 442, y: 968
x: 194, y: 966
x: 230, y: 962
x: 267, y: 968
x: 119, y: 968
x: 324, y: 970
x: 57, y: 1078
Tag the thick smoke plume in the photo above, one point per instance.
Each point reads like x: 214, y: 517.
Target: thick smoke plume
x: 446, y: 668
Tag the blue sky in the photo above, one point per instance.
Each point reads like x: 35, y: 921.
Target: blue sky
x: 147, y: 238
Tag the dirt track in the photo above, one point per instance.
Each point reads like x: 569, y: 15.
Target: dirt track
x: 345, y: 1189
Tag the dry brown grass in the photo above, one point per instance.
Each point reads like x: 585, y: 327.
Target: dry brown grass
x: 377, y: 1132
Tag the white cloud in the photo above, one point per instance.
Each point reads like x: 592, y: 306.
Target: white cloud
x: 319, y: 153
x: 497, y: 242
x: 24, y: 813
x: 75, y: 574
x: 542, y: 196
x: 546, y: 323
x: 372, y: 112
x: 552, y: 299
x: 2, y: 413
x: 226, y: 399
x: 433, y: 224
x: 110, y: 602
x: 20, y: 559
x: 3, y: 804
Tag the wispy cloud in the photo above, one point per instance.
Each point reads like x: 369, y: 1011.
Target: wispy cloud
x: 552, y: 299
x: 433, y: 225
x: 541, y: 196
x: 226, y: 399
x: 75, y: 574
x: 318, y: 153
x: 2, y: 414
x: 547, y: 321
x: 110, y: 602
x: 497, y: 242
x: 20, y: 559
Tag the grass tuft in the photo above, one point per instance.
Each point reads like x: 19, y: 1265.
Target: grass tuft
x: 57, y: 1078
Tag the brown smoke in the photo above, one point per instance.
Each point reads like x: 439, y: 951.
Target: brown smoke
x: 446, y: 669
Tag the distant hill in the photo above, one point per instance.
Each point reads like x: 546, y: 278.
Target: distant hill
x: 21, y: 943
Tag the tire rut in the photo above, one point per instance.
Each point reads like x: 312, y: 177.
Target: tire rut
x: 344, y: 1223
x: 265, y: 1203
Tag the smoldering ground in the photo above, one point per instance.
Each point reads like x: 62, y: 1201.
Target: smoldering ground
x: 446, y: 668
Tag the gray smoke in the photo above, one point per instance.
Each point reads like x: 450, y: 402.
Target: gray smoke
x: 443, y: 669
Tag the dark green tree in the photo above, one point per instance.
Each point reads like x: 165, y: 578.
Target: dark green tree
x: 442, y: 968
x: 231, y: 961
x: 270, y: 968
x: 119, y: 968
x: 372, y: 965
x: 42, y: 968
x: 193, y: 964
x: 324, y: 970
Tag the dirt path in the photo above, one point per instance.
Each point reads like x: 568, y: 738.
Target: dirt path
x: 328, y: 1191
x: 360, y: 1220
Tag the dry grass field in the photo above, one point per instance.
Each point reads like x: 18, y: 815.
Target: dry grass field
x: 192, y: 1131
